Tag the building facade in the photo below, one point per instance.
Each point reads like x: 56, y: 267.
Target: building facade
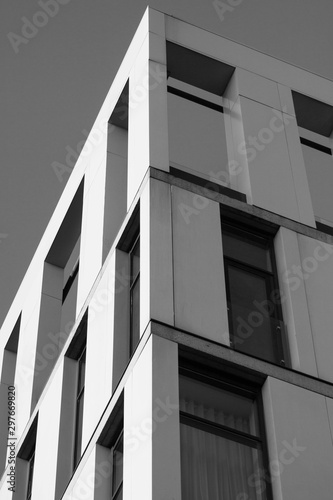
x: 172, y: 337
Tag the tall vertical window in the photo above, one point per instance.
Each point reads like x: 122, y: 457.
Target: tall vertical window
x: 26, y: 462
x: 30, y: 474
x: 109, y: 450
x: 117, y: 468
x: 253, y: 296
x: 134, y: 294
x: 79, y: 405
x: 222, y: 451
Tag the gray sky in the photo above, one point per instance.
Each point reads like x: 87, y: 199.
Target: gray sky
x: 53, y: 86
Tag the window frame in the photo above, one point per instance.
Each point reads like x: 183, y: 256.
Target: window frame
x: 112, y: 432
x: 271, y: 283
x: 81, y: 366
x: 239, y: 386
x: 30, y: 474
x: 119, y: 437
x: 27, y: 453
x: 134, y: 282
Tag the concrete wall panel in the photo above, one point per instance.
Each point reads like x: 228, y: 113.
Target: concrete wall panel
x: 266, y: 150
x: 44, y: 481
x: 156, y: 275
x: 138, y: 123
x: 83, y: 485
x: 200, y: 297
x: 319, y: 170
x: 301, y: 180
x: 151, y: 425
x: 316, y: 271
x: 197, y: 139
x: 98, y: 383
x: 91, y: 248
x: 299, y: 442
x: 294, y: 303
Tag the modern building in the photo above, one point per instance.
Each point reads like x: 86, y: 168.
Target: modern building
x: 172, y: 338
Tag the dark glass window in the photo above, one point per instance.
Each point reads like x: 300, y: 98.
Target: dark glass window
x: 117, y: 469
x: 79, y: 406
x: 30, y: 474
x: 135, y: 294
x: 253, y: 296
x: 222, y: 451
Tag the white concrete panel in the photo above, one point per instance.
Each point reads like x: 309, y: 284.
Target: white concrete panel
x: 294, y: 303
x: 138, y: 123
x: 197, y: 139
x: 137, y: 429
x: 317, y: 273
x: 271, y: 178
x: 32, y: 299
x: 85, y: 479
x: 47, y: 440
x: 166, y: 434
x: 151, y: 425
x: 299, y: 442
x: 199, y: 286
x: 300, y: 177
x: 91, y: 249
x: 158, y: 113
x: 286, y: 99
x: 157, y: 49
x: 5, y: 493
x: 254, y: 87
x: 235, y: 136
x: 319, y: 169
x: 156, y: 21
x: 156, y: 273
x: 98, y: 383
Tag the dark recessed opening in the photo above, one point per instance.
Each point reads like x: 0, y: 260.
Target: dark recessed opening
x: 197, y: 69
x: 119, y: 116
x: 313, y: 115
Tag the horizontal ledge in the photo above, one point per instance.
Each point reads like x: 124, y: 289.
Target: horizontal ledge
x: 231, y: 357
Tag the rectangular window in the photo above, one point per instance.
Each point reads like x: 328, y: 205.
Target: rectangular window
x: 117, y: 469
x: 253, y: 296
x: 134, y: 294
x: 109, y: 452
x: 222, y: 450
x: 30, y: 474
x: 315, y: 126
x: 25, y: 464
x: 196, y: 124
x: 79, y: 405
